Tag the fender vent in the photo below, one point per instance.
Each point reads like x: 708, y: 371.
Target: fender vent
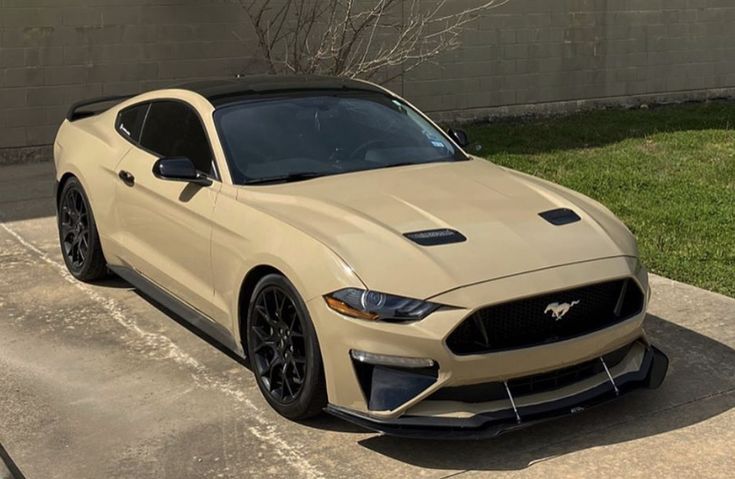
x: 561, y: 216
x: 435, y: 237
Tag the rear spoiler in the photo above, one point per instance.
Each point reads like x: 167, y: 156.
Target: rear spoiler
x: 75, y: 113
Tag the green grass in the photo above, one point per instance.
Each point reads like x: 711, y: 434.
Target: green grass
x: 667, y: 172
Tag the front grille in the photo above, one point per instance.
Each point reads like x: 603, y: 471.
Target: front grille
x: 545, y: 319
x: 535, y: 384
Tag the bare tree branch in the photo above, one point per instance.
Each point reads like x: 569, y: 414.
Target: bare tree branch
x: 357, y: 38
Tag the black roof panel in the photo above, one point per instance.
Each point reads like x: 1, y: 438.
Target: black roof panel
x: 223, y: 91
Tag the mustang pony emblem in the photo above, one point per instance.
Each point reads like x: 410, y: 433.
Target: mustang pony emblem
x: 558, y: 310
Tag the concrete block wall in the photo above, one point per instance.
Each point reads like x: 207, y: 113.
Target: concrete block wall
x: 528, y: 56
x: 55, y: 52
x: 536, y: 56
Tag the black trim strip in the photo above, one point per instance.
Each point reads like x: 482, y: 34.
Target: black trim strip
x: 212, y: 329
x: 15, y: 472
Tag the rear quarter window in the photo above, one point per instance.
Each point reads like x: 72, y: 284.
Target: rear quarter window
x: 130, y: 122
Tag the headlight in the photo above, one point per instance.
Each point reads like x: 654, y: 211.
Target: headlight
x: 374, y: 306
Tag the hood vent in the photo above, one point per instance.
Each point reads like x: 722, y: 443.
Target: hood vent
x: 436, y: 237
x: 561, y: 216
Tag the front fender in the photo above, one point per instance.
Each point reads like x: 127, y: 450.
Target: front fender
x: 245, y: 238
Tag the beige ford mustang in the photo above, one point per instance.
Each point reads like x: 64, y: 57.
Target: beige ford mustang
x: 360, y: 260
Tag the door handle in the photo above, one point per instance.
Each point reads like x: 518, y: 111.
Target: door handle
x: 126, y: 177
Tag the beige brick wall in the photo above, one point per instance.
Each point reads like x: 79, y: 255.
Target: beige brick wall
x: 528, y: 56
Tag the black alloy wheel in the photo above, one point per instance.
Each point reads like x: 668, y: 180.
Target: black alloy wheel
x: 74, y: 228
x: 283, y: 350
x: 279, y: 352
x: 80, y: 244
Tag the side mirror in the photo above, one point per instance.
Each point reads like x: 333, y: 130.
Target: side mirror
x: 179, y: 169
x: 460, y: 136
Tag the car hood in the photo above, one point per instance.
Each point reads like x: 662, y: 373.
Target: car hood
x: 363, y: 216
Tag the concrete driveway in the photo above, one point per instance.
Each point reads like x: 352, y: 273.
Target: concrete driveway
x: 95, y: 381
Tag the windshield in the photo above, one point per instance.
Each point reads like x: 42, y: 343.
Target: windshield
x: 301, y: 137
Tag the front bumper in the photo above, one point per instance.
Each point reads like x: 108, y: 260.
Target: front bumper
x: 340, y: 336
x: 649, y: 374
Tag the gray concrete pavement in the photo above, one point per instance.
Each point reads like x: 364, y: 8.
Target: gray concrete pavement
x: 95, y: 381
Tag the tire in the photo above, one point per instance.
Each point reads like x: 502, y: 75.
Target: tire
x: 78, y: 237
x: 283, y: 350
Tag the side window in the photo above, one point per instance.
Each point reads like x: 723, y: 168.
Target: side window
x: 174, y: 129
x: 130, y: 121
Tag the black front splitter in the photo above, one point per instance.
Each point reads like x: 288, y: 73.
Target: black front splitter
x: 489, y: 425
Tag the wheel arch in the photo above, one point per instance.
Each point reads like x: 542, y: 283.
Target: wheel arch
x: 60, y: 186
x: 247, y: 288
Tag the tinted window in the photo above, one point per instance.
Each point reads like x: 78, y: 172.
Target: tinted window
x: 130, y: 121
x: 173, y: 129
x: 296, y: 137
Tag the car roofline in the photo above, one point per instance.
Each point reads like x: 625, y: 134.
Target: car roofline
x: 232, y: 90
x: 224, y: 91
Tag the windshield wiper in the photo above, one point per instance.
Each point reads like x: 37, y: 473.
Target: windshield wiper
x: 291, y: 177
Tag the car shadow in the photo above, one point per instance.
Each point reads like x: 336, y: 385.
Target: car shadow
x: 27, y: 192
x: 700, y: 385
x: 27, y: 208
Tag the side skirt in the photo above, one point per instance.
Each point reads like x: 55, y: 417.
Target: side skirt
x: 199, y: 321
